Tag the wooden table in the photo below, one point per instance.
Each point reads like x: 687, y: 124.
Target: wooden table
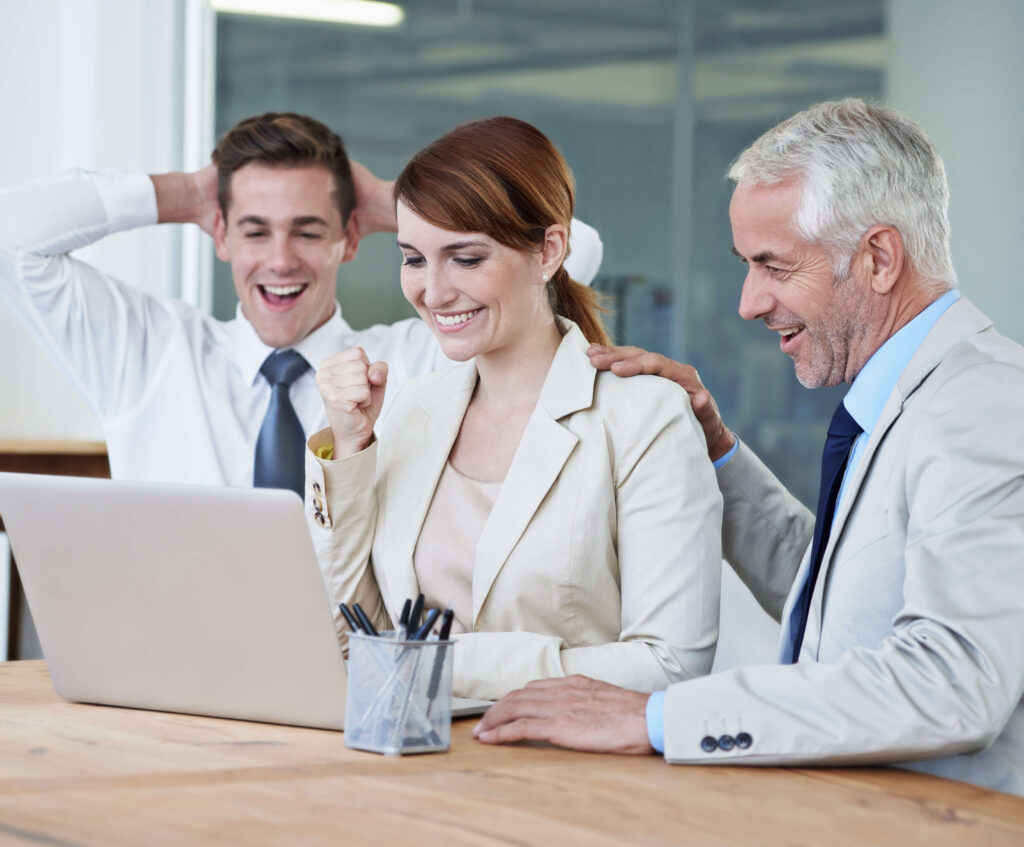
x: 72, y: 774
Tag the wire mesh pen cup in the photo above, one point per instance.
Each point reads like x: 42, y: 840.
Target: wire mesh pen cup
x: 399, y: 695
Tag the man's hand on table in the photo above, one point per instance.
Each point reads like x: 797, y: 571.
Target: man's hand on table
x: 575, y: 712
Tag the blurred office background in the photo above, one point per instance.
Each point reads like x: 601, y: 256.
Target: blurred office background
x: 649, y: 100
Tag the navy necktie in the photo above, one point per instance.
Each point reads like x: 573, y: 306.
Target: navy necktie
x: 280, y: 447
x: 842, y: 432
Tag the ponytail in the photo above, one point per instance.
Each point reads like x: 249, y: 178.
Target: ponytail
x: 578, y: 303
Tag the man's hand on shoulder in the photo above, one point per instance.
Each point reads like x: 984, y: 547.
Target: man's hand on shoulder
x: 631, y: 361
x: 187, y: 197
x: 575, y: 712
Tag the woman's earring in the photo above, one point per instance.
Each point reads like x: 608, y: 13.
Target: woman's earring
x: 545, y: 277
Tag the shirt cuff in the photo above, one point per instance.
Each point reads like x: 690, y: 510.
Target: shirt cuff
x: 656, y: 720
x: 722, y: 460
x: 129, y: 198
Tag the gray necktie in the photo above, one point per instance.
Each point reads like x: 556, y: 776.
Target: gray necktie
x: 280, y: 447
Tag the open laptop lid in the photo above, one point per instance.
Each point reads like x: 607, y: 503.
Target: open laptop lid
x: 179, y: 598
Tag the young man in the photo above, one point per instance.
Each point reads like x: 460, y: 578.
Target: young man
x: 183, y: 397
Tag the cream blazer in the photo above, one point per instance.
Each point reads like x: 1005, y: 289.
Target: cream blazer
x: 914, y: 648
x: 601, y: 555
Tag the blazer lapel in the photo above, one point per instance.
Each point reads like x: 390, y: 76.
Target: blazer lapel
x: 960, y: 321
x: 542, y: 453
x: 414, y: 468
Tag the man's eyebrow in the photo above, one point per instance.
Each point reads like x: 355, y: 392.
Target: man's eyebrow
x: 760, y: 258
x: 304, y: 220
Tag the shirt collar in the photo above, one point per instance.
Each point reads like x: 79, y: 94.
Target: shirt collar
x: 877, y: 379
x: 324, y: 341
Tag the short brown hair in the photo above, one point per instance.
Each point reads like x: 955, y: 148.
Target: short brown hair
x: 504, y: 178
x: 283, y: 139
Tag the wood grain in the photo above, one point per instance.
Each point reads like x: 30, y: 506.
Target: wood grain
x: 72, y: 774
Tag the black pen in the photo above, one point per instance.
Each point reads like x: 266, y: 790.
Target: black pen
x: 446, y: 625
x: 368, y: 627
x: 353, y: 624
x: 414, y: 615
x: 435, y: 671
x: 403, y: 619
x: 428, y: 624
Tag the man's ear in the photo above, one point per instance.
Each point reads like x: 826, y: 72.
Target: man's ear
x: 552, y: 252
x: 883, y: 257
x: 220, y: 235
x: 351, y: 238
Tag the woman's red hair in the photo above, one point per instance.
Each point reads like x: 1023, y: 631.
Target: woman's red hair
x: 504, y: 178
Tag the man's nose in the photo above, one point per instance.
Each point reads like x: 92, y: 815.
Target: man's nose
x: 283, y: 259
x: 756, y: 300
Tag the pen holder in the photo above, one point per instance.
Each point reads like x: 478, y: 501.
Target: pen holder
x: 399, y: 695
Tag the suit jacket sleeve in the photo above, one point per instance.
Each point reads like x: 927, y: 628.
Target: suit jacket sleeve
x: 951, y: 672
x: 765, y: 529
x: 341, y: 511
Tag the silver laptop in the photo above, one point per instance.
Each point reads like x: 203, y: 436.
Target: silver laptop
x: 179, y: 598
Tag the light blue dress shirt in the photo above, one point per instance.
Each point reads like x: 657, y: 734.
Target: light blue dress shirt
x: 864, y: 401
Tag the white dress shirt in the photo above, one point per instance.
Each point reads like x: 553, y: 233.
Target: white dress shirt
x: 178, y: 393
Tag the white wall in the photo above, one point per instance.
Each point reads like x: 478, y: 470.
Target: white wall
x: 958, y: 69
x: 87, y: 83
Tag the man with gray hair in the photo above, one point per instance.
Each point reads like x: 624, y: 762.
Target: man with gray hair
x: 902, y: 601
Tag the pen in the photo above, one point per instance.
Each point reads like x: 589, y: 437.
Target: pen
x: 428, y: 624
x: 446, y: 625
x: 368, y: 627
x: 403, y: 619
x: 435, y: 671
x: 349, y: 619
x: 414, y: 615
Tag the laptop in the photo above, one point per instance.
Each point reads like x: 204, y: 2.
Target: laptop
x: 179, y: 598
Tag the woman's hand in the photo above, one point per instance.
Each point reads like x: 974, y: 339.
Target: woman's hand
x: 353, y: 392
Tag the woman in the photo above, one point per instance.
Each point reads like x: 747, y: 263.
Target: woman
x: 570, y: 518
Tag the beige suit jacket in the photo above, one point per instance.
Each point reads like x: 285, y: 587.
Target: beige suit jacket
x: 601, y: 555
x: 914, y: 646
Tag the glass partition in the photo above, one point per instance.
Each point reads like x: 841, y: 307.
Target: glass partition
x: 649, y: 101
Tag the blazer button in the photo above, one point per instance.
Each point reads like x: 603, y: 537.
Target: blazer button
x: 708, y: 744
x: 726, y: 743
x: 318, y: 505
x: 316, y: 488
x: 743, y: 740
x: 320, y: 519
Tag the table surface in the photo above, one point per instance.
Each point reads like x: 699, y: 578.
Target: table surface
x: 73, y: 774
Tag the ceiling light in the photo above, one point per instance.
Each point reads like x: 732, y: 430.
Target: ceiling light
x: 363, y: 12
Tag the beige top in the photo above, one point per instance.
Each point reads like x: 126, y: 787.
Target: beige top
x: 446, y: 550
